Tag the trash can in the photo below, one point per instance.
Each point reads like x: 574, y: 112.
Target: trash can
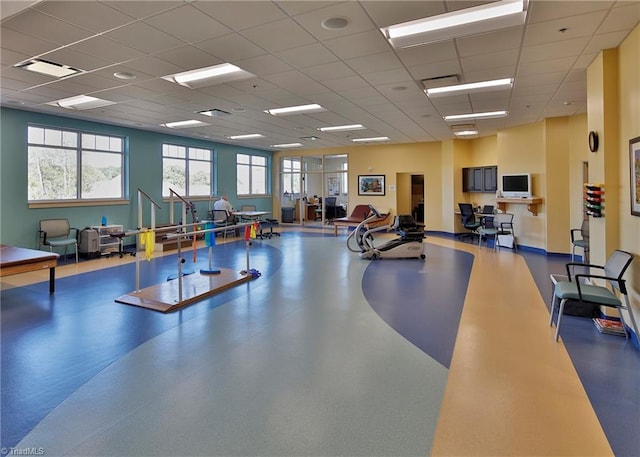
x: 287, y: 214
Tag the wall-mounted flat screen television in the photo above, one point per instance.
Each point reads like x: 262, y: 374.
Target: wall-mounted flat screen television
x: 517, y: 185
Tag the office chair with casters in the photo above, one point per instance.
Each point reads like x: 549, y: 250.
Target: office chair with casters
x: 580, y: 239
x: 576, y: 290
x: 332, y: 210
x: 57, y: 233
x: 469, y: 221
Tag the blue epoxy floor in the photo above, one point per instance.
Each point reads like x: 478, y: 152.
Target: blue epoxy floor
x: 324, y: 354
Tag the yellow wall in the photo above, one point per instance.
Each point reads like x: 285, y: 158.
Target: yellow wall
x: 628, y: 128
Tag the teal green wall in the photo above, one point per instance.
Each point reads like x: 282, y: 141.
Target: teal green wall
x: 19, y: 223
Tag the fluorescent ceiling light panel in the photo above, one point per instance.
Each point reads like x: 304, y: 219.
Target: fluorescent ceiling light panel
x: 487, y: 115
x: 470, y: 21
x: 465, y: 133
x: 480, y: 86
x: 209, y: 76
x: 48, y: 68
x: 300, y: 109
x: 342, y: 128
x: 245, y: 137
x: 81, y: 102
x: 287, y: 145
x: 367, y: 140
x: 184, y: 124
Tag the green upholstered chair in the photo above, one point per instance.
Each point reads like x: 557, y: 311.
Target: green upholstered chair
x: 575, y: 288
x: 55, y: 233
x: 580, y: 239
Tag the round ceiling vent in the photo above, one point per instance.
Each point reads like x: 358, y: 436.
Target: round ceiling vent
x: 335, y: 23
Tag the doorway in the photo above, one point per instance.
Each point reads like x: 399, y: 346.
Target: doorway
x: 410, y: 195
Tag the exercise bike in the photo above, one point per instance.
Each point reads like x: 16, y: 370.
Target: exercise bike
x: 408, y: 245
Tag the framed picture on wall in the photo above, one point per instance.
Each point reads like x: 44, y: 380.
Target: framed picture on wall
x: 371, y: 185
x: 634, y: 168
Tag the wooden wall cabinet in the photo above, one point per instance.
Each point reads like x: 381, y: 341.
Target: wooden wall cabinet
x: 480, y: 179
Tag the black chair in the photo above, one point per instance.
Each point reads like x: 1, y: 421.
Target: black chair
x: 221, y: 218
x: 469, y: 221
x: 332, y: 210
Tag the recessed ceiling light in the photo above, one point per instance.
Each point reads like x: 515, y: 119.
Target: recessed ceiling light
x: 300, y: 109
x: 342, y: 128
x: 486, y: 115
x: 465, y: 133
x: 124, y: 75
x: 286, y: 145
x: 248, y: 136
x: 81, y: 102
x: 184, y: 124
x: 335, y: 23
x: 480, y: 86
x: 465, y: 22
x: 209, y: 76
x: 367, y: 140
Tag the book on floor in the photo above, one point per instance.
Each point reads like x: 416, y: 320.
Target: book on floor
x: 608, y: 326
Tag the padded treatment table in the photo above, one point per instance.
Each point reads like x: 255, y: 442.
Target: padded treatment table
x: 15, y: 260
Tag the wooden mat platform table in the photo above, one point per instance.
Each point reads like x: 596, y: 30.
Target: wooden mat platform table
x: 14, y: 260
x: 165, y: 297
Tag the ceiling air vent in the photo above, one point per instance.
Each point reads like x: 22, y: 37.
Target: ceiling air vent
x: 215, y: 112
x: 440, y: 81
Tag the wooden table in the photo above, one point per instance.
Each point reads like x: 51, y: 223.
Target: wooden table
x: 15, y: 260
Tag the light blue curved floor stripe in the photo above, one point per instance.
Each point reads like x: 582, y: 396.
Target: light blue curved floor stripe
x: 300, y: 366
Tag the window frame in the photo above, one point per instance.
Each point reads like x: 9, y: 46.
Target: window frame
x: 253, y: 166
x: 187, y: 159
x: 79, y: 150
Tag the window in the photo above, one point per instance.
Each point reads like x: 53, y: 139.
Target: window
x: 251, y: 178
x: 71, y: 165
x: 187, y: 170
x: 291, y: 176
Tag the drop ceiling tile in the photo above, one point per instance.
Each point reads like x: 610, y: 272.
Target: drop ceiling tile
x: 39, y: 25
x: 490, y: 60
x: 94, y: 16
x: 397, y: 77
x: 107, y: 49
x: 541, y: 11
x: 306, y: 56
x: 141, y: 9
x: 556, y: 50
x: 374, y: 63
x: 327, y: 71
x: 24, y: 44
x: 263, y: 65
x: 153, y: 66
x: 278, y: 35
x: 9, y: 58
x: 231, y: 48
x: 500, y: 40
x: 396, y: 12
x: 605, y: 41
x: 145, y: 38
x: 564, y: 29
x: 358, y: 45
x: 542, y: 67
x: 241, y: 15
x: 201, y: 27
x: 188, y: 58
x: 623, y: 17
x: 428, y: 53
